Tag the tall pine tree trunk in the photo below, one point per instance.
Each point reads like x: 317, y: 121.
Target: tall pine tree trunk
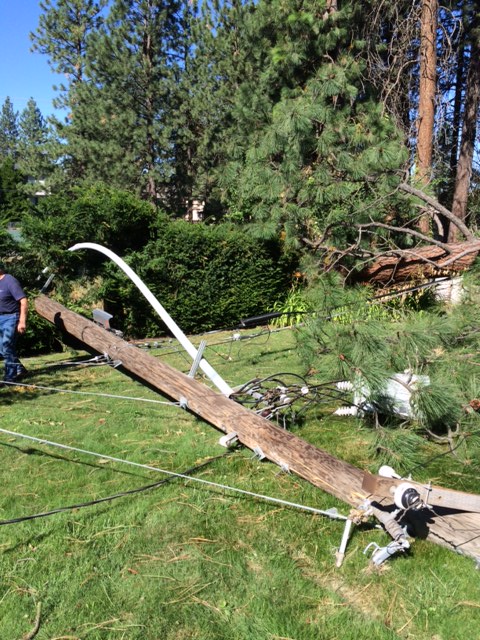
x: 469, y: 129
x: 427, y: 96
x: 148, y: 56
x: 457, y: 110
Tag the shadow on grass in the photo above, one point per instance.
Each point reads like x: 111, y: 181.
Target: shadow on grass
x: 38, y: 452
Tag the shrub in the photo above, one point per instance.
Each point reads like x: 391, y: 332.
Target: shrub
x: 99, y: 214
x: 206, y: 277
x: 113, y: 218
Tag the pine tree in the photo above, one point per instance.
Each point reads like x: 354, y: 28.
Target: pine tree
x: 120, y: 129
x: 212, y: 127
x: 13, y: 202
x: 33, y: 157
x: 464, y: 165
x: 8, y: 131
x: 325, y: 148
x: 64, y: 29
x: 62, y: 35
x: 427, y: 96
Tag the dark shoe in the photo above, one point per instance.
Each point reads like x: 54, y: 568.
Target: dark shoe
x: 22, y: 373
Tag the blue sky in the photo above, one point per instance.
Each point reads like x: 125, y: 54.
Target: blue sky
x: 23, y: 74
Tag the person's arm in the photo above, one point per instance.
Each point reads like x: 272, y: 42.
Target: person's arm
x: 22, y: 321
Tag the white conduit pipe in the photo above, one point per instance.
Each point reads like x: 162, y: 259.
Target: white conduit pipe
x: 192, y: 351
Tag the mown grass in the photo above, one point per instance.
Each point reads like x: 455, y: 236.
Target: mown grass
x: 186, y: 561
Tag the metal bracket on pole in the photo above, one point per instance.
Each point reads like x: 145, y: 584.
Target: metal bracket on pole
x: 380, y: 554
x: 198, y: 358
x: 229, y: 440
x: 102, y: 318
x: 48, y: 281
x: 340, y: 554
x: 258, y: 453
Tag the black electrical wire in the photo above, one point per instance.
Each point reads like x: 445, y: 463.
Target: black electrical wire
x: 122, y: 494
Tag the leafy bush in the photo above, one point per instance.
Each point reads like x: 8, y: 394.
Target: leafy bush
x: 113, y: 218
x: 205, y: 276
x: 41, y: 336
x: 293, y: 308
x: 99, y: 214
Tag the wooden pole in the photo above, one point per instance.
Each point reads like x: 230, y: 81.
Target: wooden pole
x: 339, y: 478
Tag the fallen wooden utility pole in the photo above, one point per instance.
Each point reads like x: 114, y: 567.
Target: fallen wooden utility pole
x: 282, y: 447
x: 341, y: 479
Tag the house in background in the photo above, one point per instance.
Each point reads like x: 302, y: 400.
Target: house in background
x: 194, y: 210
x: 36, y: 189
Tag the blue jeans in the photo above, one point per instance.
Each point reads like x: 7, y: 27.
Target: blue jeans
x: 8, y: 341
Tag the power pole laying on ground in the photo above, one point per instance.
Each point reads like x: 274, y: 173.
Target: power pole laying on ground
x: 444, y: 525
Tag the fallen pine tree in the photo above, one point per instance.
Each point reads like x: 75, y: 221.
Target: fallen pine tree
x: 389, y: 262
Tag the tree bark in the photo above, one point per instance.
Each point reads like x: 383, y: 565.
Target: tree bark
x: 469, y: 129
x: 422, y: 262
x: 457, y: 108
x: 330, y: 7
x: 427, y: 96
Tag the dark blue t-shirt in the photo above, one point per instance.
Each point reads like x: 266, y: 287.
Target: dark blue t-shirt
x: 10, y: 294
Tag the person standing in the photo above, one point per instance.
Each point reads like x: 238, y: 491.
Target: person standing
x: 13, y: 321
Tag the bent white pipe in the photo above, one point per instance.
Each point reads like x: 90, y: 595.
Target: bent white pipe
x: 217, y: 380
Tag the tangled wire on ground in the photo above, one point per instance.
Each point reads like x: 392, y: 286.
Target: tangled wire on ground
x: 285, y: 396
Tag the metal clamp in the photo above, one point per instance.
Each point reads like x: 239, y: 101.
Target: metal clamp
x: 258, y: 453
x: 198, y: 358
x: 229, y: 440
x: 381, y: 554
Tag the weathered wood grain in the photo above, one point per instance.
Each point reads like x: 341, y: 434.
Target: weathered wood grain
x: 339, y: 478
x: 430, y: 494
x: 421, y: 262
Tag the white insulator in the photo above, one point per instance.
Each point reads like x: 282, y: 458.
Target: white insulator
x: 229, y: 440
x: 406, y: 496
x: 346, y: 411
x: 387, y: 472
x: 304, y: 391
x: 344, y: 385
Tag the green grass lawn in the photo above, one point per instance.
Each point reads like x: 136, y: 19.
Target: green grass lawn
x: 188, y: 561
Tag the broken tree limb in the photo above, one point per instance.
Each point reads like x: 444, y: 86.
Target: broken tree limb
x: 421, y: 262
x: 453, y: 529
x: 461, y: 226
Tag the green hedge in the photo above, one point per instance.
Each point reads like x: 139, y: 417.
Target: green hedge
x: 115, y: 219
x: 207, y: 277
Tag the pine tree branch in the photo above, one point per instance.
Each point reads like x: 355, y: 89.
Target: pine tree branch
x: 407, y: 231
x: 403, y: 186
